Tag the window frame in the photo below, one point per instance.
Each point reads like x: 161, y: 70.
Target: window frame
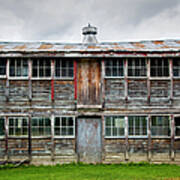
x: 2, y: 136
x: 44, y: 69
x: 134, y: 67
x: 114, y: 137
x: 176, y: 59
x: 138, y: 136
x: 161, y: 136
x: 65, y: 136
x: 41, y: 136
x: 4, y: 75
x: 18, y: 77
x: 14, y: 126
x: 159, y: 77
x: 114, y: 77
x: 60, y: 69
x: 176, y: 116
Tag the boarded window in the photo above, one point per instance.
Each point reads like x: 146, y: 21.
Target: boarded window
x: 2, y: 67
x: 2, y: 126
x: 41, y: 68
x: 114, y: 126
x: 18, y: 68
x: 137, y: 67
x: 18, y: 126
x: 159, y: 67
x: 114, y: 68
x: 41, y: 126
x: 64, y: 126
x: 160, y: 126
x: 176, y: 67
x: 137, y: 125
x: 63, y: 68
x: 177, y: 126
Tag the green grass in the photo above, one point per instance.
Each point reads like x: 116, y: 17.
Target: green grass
x: 91, y: 172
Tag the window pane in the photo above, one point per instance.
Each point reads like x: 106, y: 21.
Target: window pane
x: 2, y: 67
x: 114, y: 67
x: 159, y: 67
x: 114, y: 126
x: 2, y: 126
x: 160, y: 126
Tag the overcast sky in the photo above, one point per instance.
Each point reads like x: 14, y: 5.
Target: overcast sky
x: 62, y: 20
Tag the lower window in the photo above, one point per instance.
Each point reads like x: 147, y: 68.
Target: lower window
x: 137, y: 126
x: 177, y: 126
x: 64, y: 126
x: 18, y: 126
x: 2, y: 126
x: 41, y: 126
x: 160, y: 126
x: 114, y: 126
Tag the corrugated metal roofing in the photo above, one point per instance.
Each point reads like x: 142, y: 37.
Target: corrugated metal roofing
x: 150, y: 46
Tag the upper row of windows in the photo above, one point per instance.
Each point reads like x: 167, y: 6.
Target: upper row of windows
x: 113, y: 68
x: 40, y: 68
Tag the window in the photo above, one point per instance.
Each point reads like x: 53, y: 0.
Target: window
x: 137, y: 125
x: 2, y: 67
x: 63, y: 68
x: 18, y: 126
x: 159, y: 67
x: 2, y: 126
x: 64, y: 126
x: 177, y: 126
x: 176, y: 67
x: 41, y: 126
x: 160, y: 126
x: 41, y: 68
x: 18, y: 68
x: 114, y: 126
x: 114, y: 68
x: 137, y: 67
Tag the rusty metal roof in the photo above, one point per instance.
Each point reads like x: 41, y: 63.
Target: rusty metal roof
x: 140, y: 46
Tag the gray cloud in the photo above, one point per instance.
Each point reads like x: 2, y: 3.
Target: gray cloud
x: 62, y: 20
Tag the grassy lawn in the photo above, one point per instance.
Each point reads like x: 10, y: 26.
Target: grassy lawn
x: 91, y: 172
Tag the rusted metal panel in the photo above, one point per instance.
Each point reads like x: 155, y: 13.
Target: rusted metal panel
x: 89, y: 78
x: 89, y: 143
x: 151, y: 46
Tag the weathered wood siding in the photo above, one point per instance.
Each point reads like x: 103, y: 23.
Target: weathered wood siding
x: 89, y: 82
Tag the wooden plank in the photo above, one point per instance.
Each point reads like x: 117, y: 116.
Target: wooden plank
x: 148, y: 81
x: 171, y: 76
x: 29, y: 139
x: 102, y: 83
x: 126, y: 140
x: 7, y: 81
x: 6, y: 139
x: 52, y: 79
x: 149, y: 138
x: 172, y: 137
x: 75, y: 79
x: 103, y: 137
x: 29, y: 79
x: 125, y: 81
x: 52, y: 138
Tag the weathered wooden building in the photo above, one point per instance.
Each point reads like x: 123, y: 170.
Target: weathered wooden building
x: 91, y: 102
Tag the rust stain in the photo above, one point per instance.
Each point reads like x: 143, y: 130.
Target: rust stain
x: 93, y: 47
x: 20, y: 47
x: 45, y: 46
x: 2, y: 46
x: 139, y: 45
x: 68, y: 47
x: 178, y: 42
x: 158, y: 42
